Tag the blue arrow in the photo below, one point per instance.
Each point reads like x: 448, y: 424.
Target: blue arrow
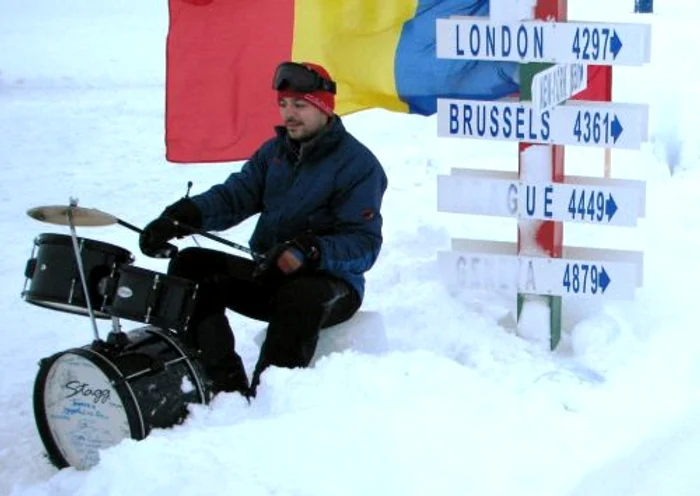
x: 616, y: 129
x: 615, y: 44
x: 603, y: 279
x: 610, y: 207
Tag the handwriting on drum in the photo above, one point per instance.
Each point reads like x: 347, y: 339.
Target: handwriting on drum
x: 84, y: 389
x: 83, y: 409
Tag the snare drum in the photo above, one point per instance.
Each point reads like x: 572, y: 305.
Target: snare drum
x: 90, y: 398
x: 150, y: 297
x: 53, y: 278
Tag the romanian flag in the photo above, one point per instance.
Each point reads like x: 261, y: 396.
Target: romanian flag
x: 221, y: 55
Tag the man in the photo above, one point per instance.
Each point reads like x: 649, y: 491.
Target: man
x: 318, y: 192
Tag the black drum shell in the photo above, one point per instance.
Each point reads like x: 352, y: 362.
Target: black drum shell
x: 150, y: 297
x: 53, y: 280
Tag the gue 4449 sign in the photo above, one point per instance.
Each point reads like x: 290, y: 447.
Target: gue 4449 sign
x: 615, y: 203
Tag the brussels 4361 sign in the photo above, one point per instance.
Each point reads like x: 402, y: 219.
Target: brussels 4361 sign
x: 617, y: 125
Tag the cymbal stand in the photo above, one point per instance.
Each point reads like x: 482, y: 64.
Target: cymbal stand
x: 73, y: 202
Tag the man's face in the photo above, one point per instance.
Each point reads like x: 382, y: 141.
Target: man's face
x: 302, y: 120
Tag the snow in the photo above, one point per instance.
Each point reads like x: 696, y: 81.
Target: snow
x: 432, y: 391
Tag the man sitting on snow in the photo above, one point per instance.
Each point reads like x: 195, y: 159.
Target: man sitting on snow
x: 318, y: 191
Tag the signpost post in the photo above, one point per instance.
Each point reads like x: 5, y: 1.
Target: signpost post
x: 542, y: 164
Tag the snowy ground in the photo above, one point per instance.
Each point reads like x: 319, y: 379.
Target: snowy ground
x: 440, y: 397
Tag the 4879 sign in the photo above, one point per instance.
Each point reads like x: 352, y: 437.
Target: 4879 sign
x: 585, y: 279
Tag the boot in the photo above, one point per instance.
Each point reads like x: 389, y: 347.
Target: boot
x: 229, y: 376
x: 224, y: 366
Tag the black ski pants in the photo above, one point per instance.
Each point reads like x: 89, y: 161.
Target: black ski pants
x: 296, y: 308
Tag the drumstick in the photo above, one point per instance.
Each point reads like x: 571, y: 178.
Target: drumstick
x: 129, y: 226
x: 170, y: 249
x: 194, y: 230
x: 245, y: 249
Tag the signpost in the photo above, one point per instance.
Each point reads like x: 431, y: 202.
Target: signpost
x: 610, y: 204
x: 477, y: 38
x: 541, y: 197
x: 595, y: 124
x: 568, y: 278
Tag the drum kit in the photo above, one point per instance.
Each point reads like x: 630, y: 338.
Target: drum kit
x: 90, y: 398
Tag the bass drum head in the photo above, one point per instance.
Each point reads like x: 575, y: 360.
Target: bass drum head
x: 89, y: 399
x: 78, y: 411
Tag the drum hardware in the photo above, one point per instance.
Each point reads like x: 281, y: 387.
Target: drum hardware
x: 29, y: 269
x: 90, y: 398
x: 81, y: 216
x: 72, y: 214
x: 88, y: 217
x: 157, y: 366
x: 117, y: 337
x: 81, y: 270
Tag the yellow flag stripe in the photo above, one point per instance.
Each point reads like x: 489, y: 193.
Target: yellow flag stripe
x: 356, y: 41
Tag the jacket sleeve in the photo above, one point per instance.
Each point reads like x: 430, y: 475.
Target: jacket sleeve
x: 239, y: 197
x: 354, y: 244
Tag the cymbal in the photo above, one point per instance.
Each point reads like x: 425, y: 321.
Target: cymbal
x: 58, y: 214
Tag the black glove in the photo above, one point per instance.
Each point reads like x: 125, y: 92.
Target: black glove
x: 153, y: 241
x: 305, y: 249
x: 184, y: 211
x: 308, y: 245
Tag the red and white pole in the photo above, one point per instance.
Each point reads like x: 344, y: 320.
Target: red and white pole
x: 540, y: 163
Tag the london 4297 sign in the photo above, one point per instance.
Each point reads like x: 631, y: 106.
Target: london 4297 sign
x: 477, y: 38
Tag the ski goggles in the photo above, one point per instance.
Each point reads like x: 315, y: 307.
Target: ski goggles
x: 297, y: 77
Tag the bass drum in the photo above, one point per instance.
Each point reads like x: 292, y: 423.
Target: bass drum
x: 90, y: 398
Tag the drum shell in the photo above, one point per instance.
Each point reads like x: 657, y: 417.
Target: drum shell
x: 144, y: 380
x: 53, y: 280
x: 150, y: 297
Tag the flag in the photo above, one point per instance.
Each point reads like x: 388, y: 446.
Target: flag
x: 599, y: 88
x: 221, y: 55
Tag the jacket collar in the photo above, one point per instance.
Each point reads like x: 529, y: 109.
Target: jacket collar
x: 320, y: 144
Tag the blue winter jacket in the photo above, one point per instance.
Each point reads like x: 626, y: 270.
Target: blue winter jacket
x: 331, y: 186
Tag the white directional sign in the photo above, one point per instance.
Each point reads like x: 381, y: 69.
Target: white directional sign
x: 537, y: 275
x: 608, y: 204
x: 610, y: 125
x: 478, y: 38
x: 557, y: 84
